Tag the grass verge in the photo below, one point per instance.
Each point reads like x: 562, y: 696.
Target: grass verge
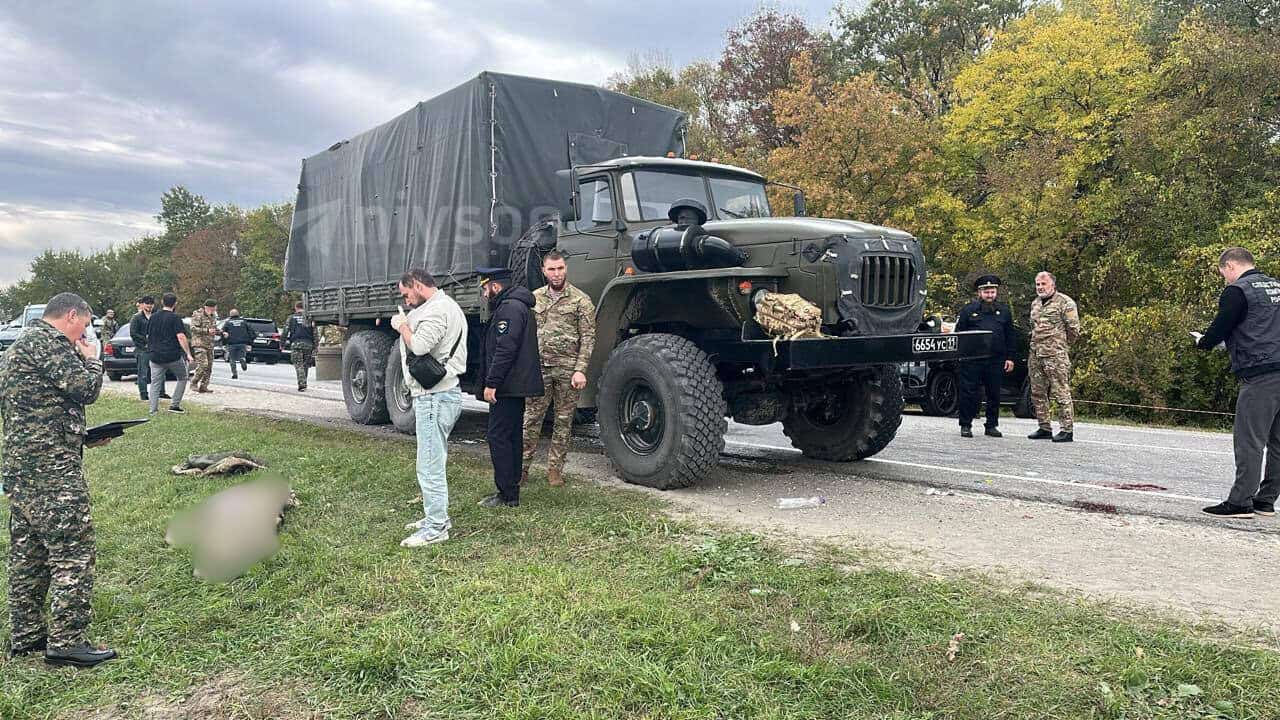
x: 581, y: 603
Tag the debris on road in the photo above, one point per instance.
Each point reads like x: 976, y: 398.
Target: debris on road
x: 1136, y: 486
x: 935, y: 491
x: 800, y: 503
x: 1096, y: 507
x: 953, y: 647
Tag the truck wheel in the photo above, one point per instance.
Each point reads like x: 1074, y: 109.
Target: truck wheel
x: 661, y: 412
x: 847, y: 421
x: 941, y: 394
x: 1023, y: 408
x: 364, y: 372
x: 399, y: 401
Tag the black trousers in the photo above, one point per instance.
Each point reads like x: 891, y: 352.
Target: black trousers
x: 975, y: 374
x: 506, y: 445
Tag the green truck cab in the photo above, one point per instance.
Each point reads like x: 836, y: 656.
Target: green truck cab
x: 678, y: 350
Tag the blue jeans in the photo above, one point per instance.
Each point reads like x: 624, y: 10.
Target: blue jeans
x: 436, y: 414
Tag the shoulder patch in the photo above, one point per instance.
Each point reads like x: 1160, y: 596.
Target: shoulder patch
x: 503, y: 326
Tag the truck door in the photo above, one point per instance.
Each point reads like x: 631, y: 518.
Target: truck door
x: 590, y: 243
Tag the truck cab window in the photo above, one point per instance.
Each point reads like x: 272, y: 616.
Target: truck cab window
x: 596, y: 203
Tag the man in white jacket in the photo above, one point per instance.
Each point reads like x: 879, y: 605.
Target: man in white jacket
x: 437, y: 326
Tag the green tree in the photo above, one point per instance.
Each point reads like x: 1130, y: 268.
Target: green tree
x: 263, y: 243
x: 917, y: 46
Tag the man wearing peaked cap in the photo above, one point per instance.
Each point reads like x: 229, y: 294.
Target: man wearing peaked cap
x: 510, y: 372
x: 985, y: 314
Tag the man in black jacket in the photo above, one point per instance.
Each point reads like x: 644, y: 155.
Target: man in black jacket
x: 1248, y: 322
x: 138, y: 327
x: 237, y: 336
x: 985, y: 314
x: 510, y: 372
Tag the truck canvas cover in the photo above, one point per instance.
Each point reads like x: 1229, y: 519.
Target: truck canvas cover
x: 453, y: 182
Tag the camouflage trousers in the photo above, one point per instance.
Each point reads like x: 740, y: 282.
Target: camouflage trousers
x: 1051, y: 380
x: 301, y: 352
x: 203, y: 369
x: 51, y: 554
x: 560, y: 394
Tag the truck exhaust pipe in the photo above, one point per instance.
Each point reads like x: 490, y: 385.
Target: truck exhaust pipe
x: 668, y: 249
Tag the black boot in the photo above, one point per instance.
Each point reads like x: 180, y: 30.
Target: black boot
x: 992, y: 432
x: 37, y: 646
x: 1062, y: 436
x: 78, y: 656
x: 966, y: 431
x: 1041, y: 434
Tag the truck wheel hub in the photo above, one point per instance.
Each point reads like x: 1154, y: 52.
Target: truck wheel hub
x: 641, y: 416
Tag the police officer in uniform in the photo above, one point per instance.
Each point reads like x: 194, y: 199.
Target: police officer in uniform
x: 510, y: 372
x: 301, y: 338
x: 1248, y: 321
x: 237, y: 336
x: 985, y: 314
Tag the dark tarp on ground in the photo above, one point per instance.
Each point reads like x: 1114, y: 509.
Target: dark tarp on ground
x: 416, y: 191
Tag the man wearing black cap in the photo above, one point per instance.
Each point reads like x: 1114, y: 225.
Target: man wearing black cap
x: 985, y: 314
x: 511, y: 372
x: 687, y: 211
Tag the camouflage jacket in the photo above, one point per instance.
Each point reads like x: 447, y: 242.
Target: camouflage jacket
x: 566, y: 328
x: 44, y: 386
x: 1055, y: 324
x: 109, y: 328
x: 204, y: 328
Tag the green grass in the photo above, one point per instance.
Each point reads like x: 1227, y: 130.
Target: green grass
x: 581, y: 603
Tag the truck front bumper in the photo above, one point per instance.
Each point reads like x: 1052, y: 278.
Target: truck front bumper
x: 851, y: 352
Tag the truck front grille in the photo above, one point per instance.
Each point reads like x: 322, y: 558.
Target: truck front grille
x: 886, y: 281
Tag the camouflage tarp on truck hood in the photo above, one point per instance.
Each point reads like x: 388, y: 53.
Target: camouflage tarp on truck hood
x: 417, y: 190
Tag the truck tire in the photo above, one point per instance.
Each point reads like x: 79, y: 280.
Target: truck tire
x: 941, y: 393
x: 115, y: 376
x: 399, y: 401
x: 661, y: 411
x: 364, y: 372
x: 1023, y: 408
x: 858, y: 419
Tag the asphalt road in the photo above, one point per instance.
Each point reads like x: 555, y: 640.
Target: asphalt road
x: 1149, y: 471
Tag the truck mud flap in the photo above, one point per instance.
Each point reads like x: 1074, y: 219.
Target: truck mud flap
x: 831, y: 353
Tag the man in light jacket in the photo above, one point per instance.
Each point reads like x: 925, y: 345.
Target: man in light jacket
x: 437, y: 326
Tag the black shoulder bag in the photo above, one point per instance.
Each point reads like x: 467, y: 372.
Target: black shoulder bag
x: 426, y: 369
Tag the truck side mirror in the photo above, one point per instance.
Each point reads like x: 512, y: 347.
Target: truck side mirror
x: 798, y: 199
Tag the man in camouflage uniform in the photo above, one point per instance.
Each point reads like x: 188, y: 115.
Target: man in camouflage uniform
x: 109, y: 326
x: 1055, y: 324
x: 566, y: 336
x: 300, y: 335
x: 46, y: 378
x: 204, y: 328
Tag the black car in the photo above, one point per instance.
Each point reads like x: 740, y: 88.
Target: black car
x: 936, y: 385
x: 267, y: 346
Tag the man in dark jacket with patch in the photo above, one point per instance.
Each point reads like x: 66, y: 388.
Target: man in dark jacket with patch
x: 985, y: 313
x: 510, y: 372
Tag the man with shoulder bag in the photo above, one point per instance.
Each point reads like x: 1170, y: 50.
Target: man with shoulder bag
x: 434, y: 354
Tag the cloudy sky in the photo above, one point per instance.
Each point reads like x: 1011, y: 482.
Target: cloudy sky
x: 105, y: 105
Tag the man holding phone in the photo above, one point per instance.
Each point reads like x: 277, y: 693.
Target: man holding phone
x: 46, y: 378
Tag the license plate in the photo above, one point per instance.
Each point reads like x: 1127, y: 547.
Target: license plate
x: 934, y: 344
x: 259, y: 341
x: 128, y: 350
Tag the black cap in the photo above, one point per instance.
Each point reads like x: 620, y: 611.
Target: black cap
x: 986, y: 281
x: 501, y: 274
x: 210, y: 303
x: 690, y: 203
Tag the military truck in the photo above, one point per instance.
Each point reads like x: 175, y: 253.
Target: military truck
x: 502, y: 169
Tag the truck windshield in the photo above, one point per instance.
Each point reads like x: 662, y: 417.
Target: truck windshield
x: 649, y: 194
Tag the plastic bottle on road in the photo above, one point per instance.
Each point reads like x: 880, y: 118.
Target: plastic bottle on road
x: 800, y: 503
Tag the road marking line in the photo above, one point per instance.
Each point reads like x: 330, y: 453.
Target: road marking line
x: 1047, y: 481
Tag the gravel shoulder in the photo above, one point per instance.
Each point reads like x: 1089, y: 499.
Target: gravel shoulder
x: 1193, y: 571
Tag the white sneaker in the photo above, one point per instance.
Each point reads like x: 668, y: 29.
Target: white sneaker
x: 425, y: 537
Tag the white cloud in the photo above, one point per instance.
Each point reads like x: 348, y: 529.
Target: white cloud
x: 28, y: 230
